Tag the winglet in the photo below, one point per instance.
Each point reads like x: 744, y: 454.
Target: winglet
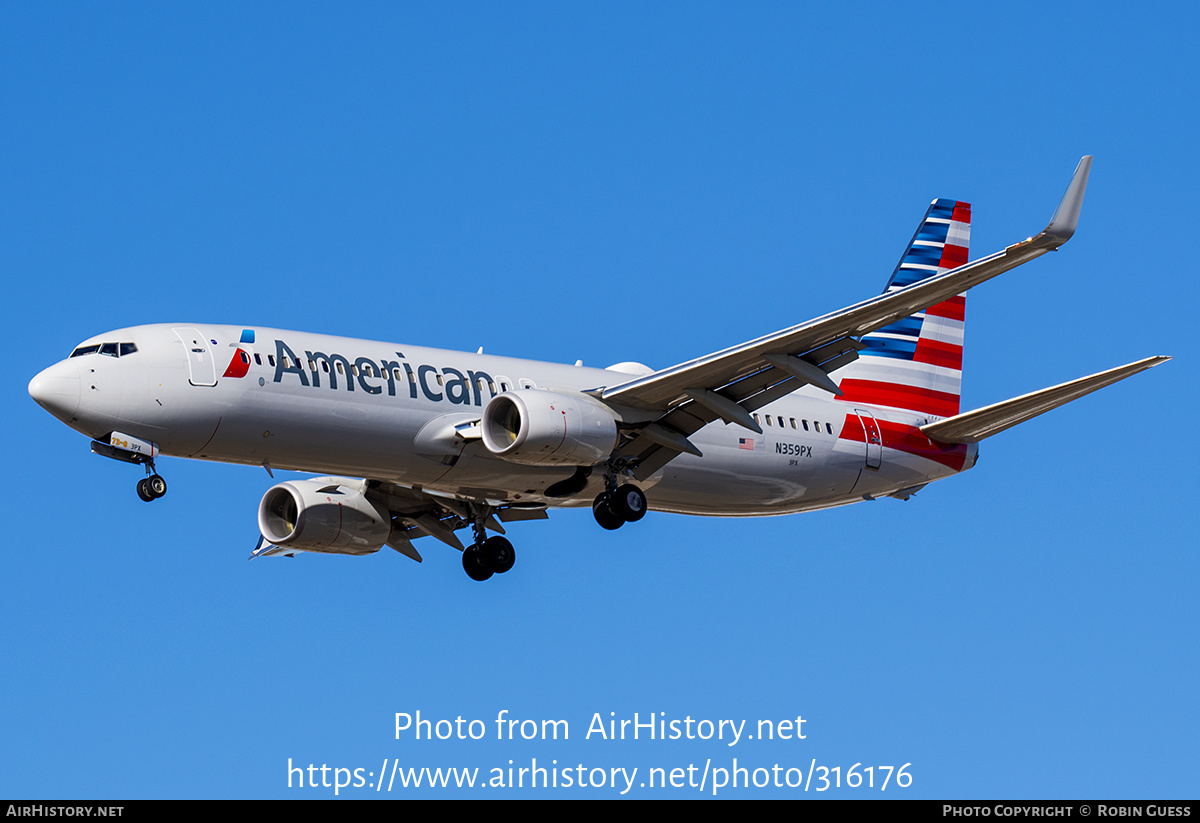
x: 1066, y: 217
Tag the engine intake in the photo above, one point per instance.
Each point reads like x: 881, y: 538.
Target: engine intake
x: 327, y: 514
x: 546, y: 428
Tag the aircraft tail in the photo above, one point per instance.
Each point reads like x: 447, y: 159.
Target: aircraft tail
x: 915, y: 363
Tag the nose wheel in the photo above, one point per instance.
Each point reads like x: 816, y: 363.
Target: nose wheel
x: 151, y: 487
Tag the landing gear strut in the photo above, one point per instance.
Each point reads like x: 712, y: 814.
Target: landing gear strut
x: 487, y: 555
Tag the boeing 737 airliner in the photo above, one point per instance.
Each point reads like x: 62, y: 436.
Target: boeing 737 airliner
x: 857, y: 404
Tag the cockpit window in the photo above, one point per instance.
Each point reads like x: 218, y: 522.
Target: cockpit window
x: 110, y: 349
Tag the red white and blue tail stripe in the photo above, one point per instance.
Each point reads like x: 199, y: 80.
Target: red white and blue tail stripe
x: 916, y: 363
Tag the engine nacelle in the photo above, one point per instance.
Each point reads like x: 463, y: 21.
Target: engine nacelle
x: 326, y: 514
x: 546, y: 428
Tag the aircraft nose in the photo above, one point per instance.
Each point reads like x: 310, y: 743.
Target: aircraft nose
x: 57, y: 391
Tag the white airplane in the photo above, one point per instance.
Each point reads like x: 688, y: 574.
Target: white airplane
x: 857, y: 404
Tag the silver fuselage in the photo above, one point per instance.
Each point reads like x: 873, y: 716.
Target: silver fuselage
x: 342, y: 406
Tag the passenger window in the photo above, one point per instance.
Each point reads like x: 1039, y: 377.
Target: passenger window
x: 245, y: 357
x: 805, y: 422
x: 794, y: 426
x: 271, y: 360
x: 756, y: 420
x: 258, y: 359
x: 396, y: 374
x: 769, y: 423
x: 817, y: 426
x: 829, y: 428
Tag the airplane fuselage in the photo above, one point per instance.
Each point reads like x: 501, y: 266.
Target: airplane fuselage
x: 335, y: 405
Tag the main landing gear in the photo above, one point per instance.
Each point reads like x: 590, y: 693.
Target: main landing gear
x: 493, y: 556
x: 620, y: 505
x: 487, y: 555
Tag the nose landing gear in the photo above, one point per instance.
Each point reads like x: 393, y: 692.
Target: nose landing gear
x: 151, y: 487
x: 129, y: 449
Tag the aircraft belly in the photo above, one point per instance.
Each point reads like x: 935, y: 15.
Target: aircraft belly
x: 744, y: 475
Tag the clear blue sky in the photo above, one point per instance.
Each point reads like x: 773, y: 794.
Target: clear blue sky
x: 618, y: 182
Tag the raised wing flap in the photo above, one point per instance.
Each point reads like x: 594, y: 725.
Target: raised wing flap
x: 973, y: 426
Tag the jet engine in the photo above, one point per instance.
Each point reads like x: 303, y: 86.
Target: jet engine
x: 326, y: 514
x: 546, y: 428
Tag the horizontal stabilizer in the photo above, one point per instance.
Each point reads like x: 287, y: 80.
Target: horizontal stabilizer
x: 973, y: 426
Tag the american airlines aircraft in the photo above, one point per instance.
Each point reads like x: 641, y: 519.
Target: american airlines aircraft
x: 857, y: 404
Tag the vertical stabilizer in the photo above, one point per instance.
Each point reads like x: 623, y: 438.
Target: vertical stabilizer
x: 916, y: 363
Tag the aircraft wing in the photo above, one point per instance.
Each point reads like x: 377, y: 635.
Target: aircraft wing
x: 671, y: 404
x: 973, y: 426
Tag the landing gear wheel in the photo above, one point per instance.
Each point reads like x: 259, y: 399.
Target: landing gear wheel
x: 629, y: 503
x: 497, y: 554
x: 604, y: 514
x: 143, y: 489
x: 156, y: 485
x: 473, y: 565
